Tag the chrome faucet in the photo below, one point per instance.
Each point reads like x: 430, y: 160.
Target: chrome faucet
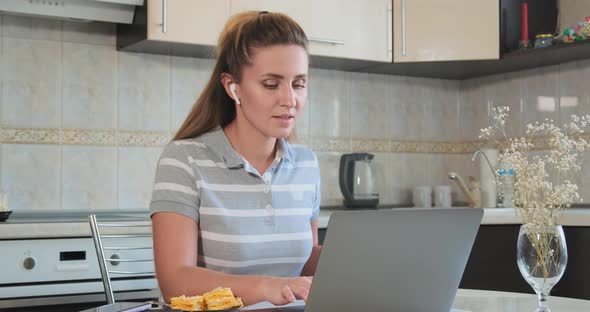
x: 472, y: 201
x: 479, y: 151
x: 499, y: 195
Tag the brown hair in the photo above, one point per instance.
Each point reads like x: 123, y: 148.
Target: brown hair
x: 241, y: 33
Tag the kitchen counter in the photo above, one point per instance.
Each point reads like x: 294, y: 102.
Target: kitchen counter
x: 62, y: 230
x: 16, y: 228
x: 69, y: 224
x: 570, y: 217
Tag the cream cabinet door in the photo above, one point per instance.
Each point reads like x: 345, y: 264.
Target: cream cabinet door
x: 446, y: 30
x: 571, y: 12
x: 337, y: 28
x: 187, y: 21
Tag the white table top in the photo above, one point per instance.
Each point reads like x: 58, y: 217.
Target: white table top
x: 496, y: 301
x: 491, y: 301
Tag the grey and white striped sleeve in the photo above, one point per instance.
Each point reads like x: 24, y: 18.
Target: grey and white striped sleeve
x: 318, y: 194
x: 175, y: 188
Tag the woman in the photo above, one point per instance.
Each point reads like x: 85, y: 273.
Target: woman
x: 234, y: 204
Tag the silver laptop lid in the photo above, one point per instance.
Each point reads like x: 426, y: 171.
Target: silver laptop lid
x: 393, y: 260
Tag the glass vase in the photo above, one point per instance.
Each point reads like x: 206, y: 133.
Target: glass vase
x: 541, y: 255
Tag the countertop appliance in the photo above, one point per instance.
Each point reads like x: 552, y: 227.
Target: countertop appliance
x: 44, y: 271
x: 357, y: 181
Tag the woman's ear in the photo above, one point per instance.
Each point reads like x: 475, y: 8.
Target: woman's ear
x: 229, y: 84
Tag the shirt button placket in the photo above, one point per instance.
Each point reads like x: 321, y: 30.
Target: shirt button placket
x: 269, y: 214
x: 266, y: 178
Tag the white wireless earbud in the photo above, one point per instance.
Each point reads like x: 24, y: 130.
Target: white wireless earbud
x: 232, y: 88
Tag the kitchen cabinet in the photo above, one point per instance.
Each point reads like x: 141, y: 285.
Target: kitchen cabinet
x: 349, y: 29
x: 449, y: 39
x: 177, y: 27
x: 450, y: 30
x: 492, y: 262
x: 571, y: 12
x: 186, y: 21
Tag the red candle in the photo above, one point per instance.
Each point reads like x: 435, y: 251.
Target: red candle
x: 525, y: 22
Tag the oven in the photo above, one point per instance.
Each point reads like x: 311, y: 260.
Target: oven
x: 52, y: 262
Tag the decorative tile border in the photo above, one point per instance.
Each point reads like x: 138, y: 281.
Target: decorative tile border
x: 98, y: 137
x: 113, y: 137
x: 419, y: 147
x: 143, y: 138
x: 329, y: 144
x: 88, y: 137
x: 30, y: 136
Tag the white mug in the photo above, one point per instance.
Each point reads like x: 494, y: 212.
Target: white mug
x: 3, y: 202
x: 442, y: 196
x: 422, y: 196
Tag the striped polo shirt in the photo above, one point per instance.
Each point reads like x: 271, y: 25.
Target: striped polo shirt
x: 248, y: 223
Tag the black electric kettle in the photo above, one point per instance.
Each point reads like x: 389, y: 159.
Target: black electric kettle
x: 356, y: 181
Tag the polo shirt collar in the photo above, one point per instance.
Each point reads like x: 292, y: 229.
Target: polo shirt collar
x: 284, y: 151
x: 219, y: 143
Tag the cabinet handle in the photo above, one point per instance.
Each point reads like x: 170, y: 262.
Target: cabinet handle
x: 404, y: 27
x: 388, y: 33
x: 164, y: 16
x: 325, y: 40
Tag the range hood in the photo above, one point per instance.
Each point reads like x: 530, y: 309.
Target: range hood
x: 114, y: 11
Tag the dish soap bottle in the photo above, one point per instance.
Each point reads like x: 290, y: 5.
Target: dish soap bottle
x: 507, y: 187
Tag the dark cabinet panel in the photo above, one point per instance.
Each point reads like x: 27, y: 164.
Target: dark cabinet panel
x: 542, y: 19
x: 321, y: 235
x: 492, y: 262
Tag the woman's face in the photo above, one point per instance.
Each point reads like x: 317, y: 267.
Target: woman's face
x: 273, y: 89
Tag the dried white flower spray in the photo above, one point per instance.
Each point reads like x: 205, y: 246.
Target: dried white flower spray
x: 544, y: 183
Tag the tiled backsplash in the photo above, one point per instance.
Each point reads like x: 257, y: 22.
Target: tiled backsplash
x: 82, y: 125
x: 554, y: 92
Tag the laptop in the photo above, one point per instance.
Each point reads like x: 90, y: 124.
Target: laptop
x: 392, y: 260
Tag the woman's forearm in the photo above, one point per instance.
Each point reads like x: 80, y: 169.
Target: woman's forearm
x: 312, y: 262
x: 193, y: 281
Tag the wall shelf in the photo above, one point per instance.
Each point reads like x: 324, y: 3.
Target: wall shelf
x: 513, y: 61
x: 456, y: 70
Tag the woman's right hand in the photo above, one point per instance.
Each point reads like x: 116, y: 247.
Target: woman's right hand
x: 284, y: 290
